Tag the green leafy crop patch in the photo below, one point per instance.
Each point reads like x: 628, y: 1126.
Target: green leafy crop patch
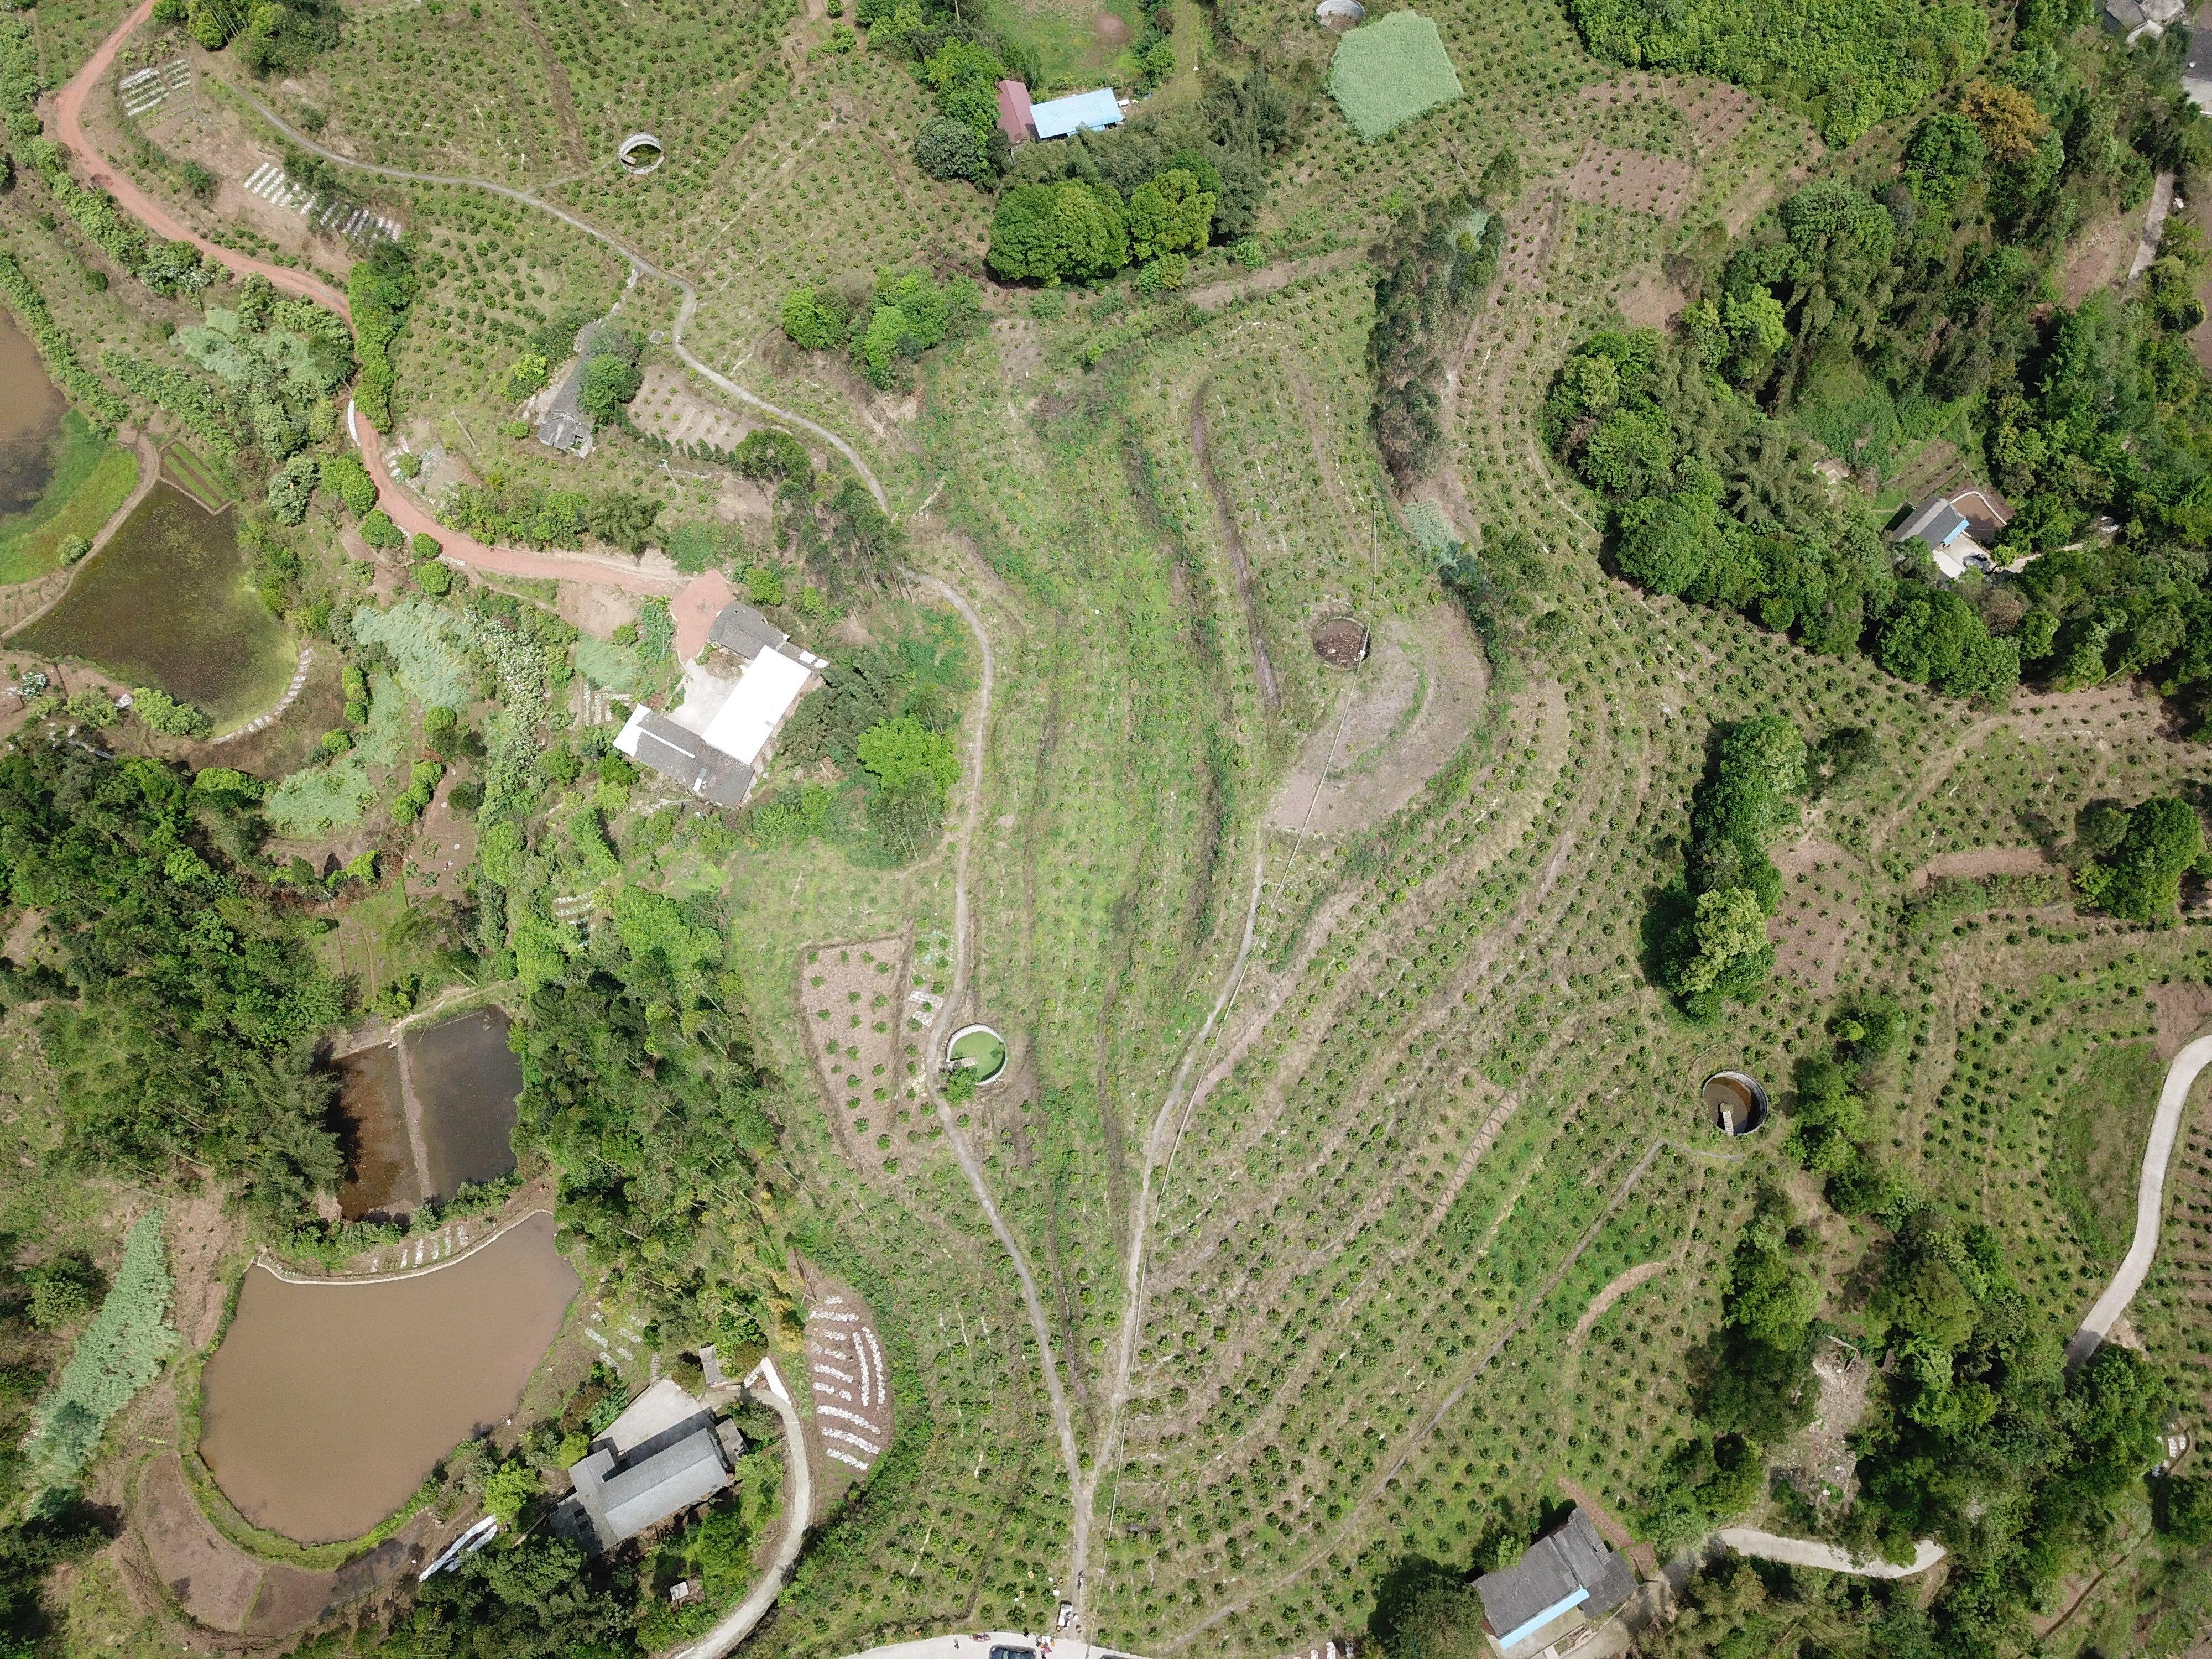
x: 1391, y: 71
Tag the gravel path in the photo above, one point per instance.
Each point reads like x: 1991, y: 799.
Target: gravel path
x: 2150, y: 1203
x: 1808, y: 1552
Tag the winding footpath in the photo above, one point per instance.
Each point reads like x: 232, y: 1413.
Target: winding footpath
x: 933, y: 1073
x: 405, y: 509
x: 2150, y: 1203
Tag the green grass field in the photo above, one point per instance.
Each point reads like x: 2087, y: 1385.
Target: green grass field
x: 91, y: 480
x: 1071, y: 44
x: 1390, y: 71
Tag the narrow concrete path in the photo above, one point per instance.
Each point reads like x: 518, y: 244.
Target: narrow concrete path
x: 2150, y: 1203
x: 1810, y: 1552
x: 750, y: 1612
x: 977, y: 1644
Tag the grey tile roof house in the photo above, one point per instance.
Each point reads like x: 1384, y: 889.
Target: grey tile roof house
x: 565, y: 427
x: 2132, y: 19
x: 1569, y: 1578
x: 626, y: 1484
x: 717, y: 741
x: 654, y: 740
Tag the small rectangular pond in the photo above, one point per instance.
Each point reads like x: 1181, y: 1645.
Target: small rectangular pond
x: 467, y: 1080
x: 460, y: 1082
x: 371, y: 1127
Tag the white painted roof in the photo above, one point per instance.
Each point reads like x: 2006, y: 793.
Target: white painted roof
x: 771, y: 684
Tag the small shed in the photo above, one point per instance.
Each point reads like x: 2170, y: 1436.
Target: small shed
x: 565, y: 427
x: 1014, y: 115
x: 1092, y: 111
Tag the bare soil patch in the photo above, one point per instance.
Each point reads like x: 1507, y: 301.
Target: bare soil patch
x: 1648, y: 300
x: 292, y: 1598
x: 1811, y: 931
x: 593, y: 610
x: 852, y: 1420
x: 1341, y: 642
x: 1110, y: 29
x: 211, y: 1579
x: 2099, y: 260
x: 2183, y: 1007
x: 1715, y: 110
x: 1639, y: 180
x: 852, y: 1000
x: 1409, y: 708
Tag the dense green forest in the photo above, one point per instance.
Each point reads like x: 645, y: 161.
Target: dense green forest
x: 1866, y: 315
x: 1846, y: 64
x: 181, y: 1012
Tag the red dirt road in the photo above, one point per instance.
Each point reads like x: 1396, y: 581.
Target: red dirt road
x: 609, y: 569
x: 699, y: 600
x: 69, y: 125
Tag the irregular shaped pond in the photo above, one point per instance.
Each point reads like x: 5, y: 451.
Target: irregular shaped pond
x: 330, y: 1400
x: 165, y: 603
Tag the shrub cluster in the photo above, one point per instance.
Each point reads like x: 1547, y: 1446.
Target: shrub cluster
x: 1716, y: 948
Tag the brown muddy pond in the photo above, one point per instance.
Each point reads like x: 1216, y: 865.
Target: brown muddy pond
x: 31, y: 408
x: 329, y: 1402
x: 166, y: 603
x: 466, y: 1081
x: 372, y: 1125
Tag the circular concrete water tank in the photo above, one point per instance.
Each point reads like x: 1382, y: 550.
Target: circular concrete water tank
x: 980, y: 1048
x: 1339, y: 14
x: 1737, y: 1102
x: 640, y: 153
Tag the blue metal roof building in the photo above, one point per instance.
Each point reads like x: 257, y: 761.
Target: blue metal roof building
x: 1062, y: 116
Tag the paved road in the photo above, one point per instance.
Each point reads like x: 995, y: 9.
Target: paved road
x: 750, y: 1612
x: 2150, y: 1203
x: 1807, y: 1553
x: 977, y: 1644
